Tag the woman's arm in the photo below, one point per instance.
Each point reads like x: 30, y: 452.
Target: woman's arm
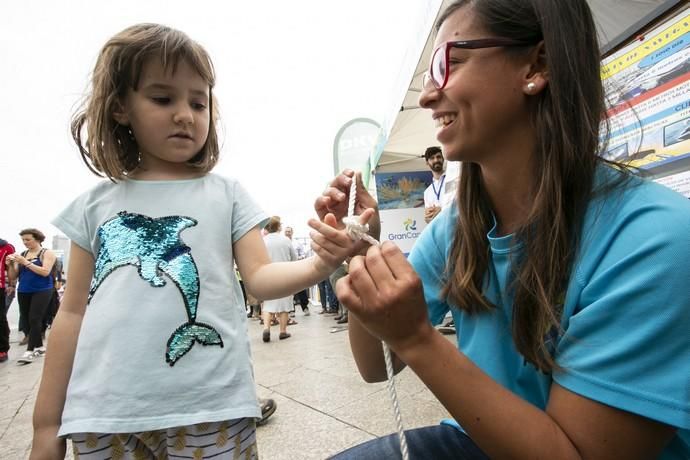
x: 47, y: 263
x: 59, y: 357
x: 368, y: 352
x: 385, y: 294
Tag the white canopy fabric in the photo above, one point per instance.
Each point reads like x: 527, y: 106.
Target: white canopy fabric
x: 413, y: 131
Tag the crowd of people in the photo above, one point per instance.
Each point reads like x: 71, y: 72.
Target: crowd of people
x: 282, y: 312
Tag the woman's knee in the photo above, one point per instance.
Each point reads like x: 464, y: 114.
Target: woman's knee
x: 439, y: 442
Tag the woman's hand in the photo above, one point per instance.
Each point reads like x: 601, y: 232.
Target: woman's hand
x: 335, y: 200
x: 331, y: 245
x: 385, y: 294
x: 19, y: 259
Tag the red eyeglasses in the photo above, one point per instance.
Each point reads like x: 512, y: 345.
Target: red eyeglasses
x: 438, y: 67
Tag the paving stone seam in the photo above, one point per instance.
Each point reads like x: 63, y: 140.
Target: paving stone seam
x: 315, y: 409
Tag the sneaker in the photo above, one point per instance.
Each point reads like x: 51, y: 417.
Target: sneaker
x: 39, y: 352
x: 268, y: 407
x: 3, y: 356
x: 266, y: 335
x: 306, y: 312
x: 27, y: 358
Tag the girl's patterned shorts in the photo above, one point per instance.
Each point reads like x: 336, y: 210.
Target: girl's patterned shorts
x: 232, y: 439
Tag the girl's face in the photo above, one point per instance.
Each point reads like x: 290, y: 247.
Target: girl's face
x: 30, y: 242
x: 483, y: 105
x: 168, y: 115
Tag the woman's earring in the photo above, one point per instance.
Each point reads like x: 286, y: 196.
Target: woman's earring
x: 531, y: 86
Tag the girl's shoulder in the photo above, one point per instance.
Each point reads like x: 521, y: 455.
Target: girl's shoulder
x: 101, y: 189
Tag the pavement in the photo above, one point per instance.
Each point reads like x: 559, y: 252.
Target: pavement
x: 324, y: 406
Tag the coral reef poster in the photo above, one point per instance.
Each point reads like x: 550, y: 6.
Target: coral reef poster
x: 402, y: 190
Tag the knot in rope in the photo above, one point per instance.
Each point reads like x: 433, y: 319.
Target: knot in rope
x: 358, y: 231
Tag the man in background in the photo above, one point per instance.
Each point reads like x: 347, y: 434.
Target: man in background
x: 432, y: 195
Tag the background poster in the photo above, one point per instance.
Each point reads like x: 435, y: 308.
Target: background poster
x: 402, y: 226
x: 401, y: 206
x: 647, y: 84
x: 401, y: 190
x: 679, y: 182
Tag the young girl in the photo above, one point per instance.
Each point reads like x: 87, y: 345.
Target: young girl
x: 567, y: 278
x: 149, y: 354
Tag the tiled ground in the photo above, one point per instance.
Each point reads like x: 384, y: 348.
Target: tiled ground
x: 323, y: 404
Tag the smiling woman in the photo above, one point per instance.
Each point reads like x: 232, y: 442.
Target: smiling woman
x: 553, y: 262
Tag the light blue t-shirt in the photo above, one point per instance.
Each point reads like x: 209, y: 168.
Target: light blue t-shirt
x: 164, y: 340
x: 626, y: 316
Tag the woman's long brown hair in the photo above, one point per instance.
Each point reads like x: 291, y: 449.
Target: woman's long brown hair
x: 567, y: 117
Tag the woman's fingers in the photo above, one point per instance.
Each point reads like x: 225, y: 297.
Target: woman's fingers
x: 399, y: 265
x: 364, y: 199
x: 378, y: 269
x: 335, y: 197
x: 361, y: 284
x: 347, y: 295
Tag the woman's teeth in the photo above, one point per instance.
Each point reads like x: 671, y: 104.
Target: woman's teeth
x: 445, y: 120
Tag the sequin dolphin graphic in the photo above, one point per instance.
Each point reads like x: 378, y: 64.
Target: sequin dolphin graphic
x: 154, y: 246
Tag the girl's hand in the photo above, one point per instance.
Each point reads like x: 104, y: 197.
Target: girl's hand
x: 385, y: 294
x: 47, y: 446
x: 331, y: 245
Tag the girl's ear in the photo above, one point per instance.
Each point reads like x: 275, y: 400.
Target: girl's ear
x: 120, y: 114
x: 537, y: 76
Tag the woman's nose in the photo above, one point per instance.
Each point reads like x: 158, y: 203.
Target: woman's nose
x: 429, y: 93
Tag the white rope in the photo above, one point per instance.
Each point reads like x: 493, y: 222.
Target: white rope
x: 358, y: 231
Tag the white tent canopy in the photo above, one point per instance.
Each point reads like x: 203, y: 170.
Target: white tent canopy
x: 413, y: 130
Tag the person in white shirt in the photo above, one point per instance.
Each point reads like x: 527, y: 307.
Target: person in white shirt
x: 302, y: 297
x: 432, y: 195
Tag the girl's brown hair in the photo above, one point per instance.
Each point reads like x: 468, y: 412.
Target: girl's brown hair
x: 567, y: 117
x: 109, y: 148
